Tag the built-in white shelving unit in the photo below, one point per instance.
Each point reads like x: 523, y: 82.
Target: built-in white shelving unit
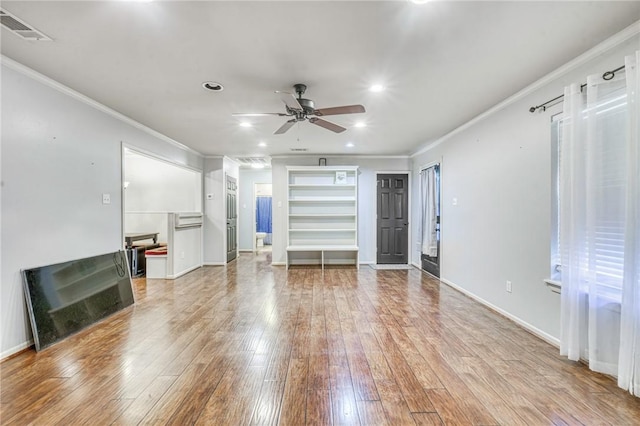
x: 322, y: 219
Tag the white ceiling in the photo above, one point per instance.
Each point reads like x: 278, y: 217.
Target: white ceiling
x: 443, y: 63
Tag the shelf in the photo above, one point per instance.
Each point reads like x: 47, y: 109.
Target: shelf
x: 322, y: 200
x: 323, y: 215
x: 321, y: 185
x: 320, y: 247
x: 322, y: 230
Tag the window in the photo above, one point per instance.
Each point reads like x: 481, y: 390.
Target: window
x: 603, y: 191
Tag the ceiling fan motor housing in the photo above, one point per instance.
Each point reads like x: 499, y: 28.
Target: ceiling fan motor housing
x: 307, y: 105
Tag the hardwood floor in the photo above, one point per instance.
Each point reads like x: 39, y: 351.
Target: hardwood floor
x: 255, y: 344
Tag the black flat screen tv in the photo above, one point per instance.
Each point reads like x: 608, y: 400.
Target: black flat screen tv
x: 64, y: 298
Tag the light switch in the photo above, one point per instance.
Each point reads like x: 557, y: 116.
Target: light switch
x: 106, y: 198
x: 244, y: 206
x: 454, y: 201
x: 279, y: 204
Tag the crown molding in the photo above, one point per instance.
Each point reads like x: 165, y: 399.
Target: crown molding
x: 384, y: 157
x: 41, y: 78
x: 610, y: 43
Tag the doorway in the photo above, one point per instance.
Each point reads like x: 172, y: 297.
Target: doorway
x: 430, y: 219
x: 232, y: 218
x: 263, y: 211
x: 393, y: 218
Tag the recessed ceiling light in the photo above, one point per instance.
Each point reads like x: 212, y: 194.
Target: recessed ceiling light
x: 257, y: 166
x: 376, y: 88
x: 361, y: 124
x: 245, y: 124
x: 213, y: 86
x: 262, y: 144
x: 350, y: 145
x: 419, y: 1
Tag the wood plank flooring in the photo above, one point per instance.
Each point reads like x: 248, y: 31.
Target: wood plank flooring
x: 254, y: 344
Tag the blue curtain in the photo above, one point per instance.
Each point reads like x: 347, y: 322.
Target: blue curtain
x: 263, y: 217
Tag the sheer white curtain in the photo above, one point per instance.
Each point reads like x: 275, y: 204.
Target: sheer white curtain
x: 629, y: 361
x: 599, y: 222
x: 429, y: 212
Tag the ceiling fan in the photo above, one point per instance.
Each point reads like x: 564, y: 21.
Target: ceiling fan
x: 301, y: 109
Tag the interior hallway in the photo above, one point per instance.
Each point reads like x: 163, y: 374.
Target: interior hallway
x: 251, y: 343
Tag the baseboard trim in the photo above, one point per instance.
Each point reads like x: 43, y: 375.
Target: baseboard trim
x: 16, y: 350
x: 186, y: 271
x: 213, y: 264
x: 278, y: 263
x: 532, y: 329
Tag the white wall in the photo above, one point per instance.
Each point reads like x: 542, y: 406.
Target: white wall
x: 158, y: 186
x: 499, y: 169
x: 246, y: 213
x: 215, y: 219
x: 368, y: 168
x: 185, y: 249
x: 59, y: 155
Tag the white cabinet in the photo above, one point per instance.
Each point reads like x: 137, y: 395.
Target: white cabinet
x: 322, y: 213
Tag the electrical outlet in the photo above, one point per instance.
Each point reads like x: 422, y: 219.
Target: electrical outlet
x: 508, y: 286
x: 106, y: 198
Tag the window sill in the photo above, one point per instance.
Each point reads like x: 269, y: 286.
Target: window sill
x: 553, y: 285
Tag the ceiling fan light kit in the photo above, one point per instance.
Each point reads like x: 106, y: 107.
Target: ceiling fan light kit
x: 302, y: 109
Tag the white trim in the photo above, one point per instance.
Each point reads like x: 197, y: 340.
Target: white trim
x: 216, y: 157
x: 393, y: 172
x: 409, y: 218
x: 278, y: 264
x: 534, y: 330
x: 152, y: 155
x: 319, y: 155
x: 590, y: 54
x: 186, y: 271
x: 554, y: 285
x: 23, y: 69
x: 14, y: 350
x: 368, y: 262
x: 254, y: 206
x: 245, y: 251
x: 214, y: 264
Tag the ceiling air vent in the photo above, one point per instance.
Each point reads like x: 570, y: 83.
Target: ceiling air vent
x: 254, y: 162
x: 299, y: 149
x: 20, y: 28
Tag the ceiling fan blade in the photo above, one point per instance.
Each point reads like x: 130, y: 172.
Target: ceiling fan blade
x: 286, y: 126
x: 289, y: 100
x: 327, y: 125
x: 346, y: 109
x: 258, y: 114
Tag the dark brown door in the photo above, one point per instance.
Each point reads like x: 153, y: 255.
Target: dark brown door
x: 232, y: 219
x: 393, y: 218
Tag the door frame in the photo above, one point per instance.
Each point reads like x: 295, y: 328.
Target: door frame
x: 409, y: 213
x: 253, y: 212
x: 437, y: 162
x: 226, y: 209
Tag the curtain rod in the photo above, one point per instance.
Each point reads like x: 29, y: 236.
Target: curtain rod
x: 606, y: 76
